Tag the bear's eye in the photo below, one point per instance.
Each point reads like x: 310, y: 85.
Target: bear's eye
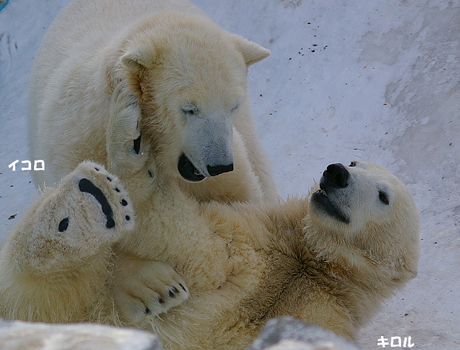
x: 63, y: 225
x: 352, y: 164
x: 190, y: 109
x: 383, y: 198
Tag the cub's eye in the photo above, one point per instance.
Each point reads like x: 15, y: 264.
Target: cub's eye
x: 352, y: 164
x: 383, y: 198
x: 190, y: 108
x: 63, y: 225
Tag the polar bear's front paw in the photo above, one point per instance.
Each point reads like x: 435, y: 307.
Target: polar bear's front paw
x: 105, y: 206
x: 127, y: 153
x: 83, y: 216
x: 145, y: 288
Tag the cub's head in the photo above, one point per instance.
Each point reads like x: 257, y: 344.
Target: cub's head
x: 88, y: 211
x: 190, y: 77
x: 364, y: 213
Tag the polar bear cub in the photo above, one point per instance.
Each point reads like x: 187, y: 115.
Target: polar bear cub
x: 330, y: 258
x: 188, y: 76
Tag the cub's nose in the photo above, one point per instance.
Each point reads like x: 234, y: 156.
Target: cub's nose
x: 335, y: 176
x: 219, y: 169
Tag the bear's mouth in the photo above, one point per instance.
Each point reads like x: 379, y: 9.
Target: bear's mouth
x: 322, y: 201
x: 188, y: 171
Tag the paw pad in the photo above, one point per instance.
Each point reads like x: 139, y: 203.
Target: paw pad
x: 108, y: 192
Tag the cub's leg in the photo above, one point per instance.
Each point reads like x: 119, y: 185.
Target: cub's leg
x: 143, y: 288
x: 56, y: 264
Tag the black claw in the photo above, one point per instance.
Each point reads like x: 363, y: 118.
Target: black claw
x: 175, y: 290
x: 160, y: 300
x: 147, y: 311
x: 171, y: 294
x: 137, y: 145
x: 124, y: 203
x: 117, y: 189
x: 127, y: 217
x: 110, y: 179
x: 185, y: 290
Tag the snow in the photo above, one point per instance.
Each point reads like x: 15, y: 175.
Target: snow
x: 356, y: 79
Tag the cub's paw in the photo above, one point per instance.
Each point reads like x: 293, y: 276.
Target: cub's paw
x: 86, y: 213
x: 145, y: 288
x: 107, y: 193
x: 127, y: 153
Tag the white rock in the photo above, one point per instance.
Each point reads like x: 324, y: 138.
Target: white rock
x: 18, y: 335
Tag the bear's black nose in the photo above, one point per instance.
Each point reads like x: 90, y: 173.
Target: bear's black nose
x: 335, y: 176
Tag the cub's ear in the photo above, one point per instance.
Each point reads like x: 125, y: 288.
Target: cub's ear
x: 139, y: 58
x: 251, y: 51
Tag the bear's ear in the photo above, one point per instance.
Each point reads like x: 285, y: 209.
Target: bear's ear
x: 139, y: 58
x: 251, y: 51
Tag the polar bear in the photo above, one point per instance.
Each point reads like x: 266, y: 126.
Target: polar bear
x: 329, y: 259
x: 189, y: 76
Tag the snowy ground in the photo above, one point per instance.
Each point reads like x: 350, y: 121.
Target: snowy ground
x: 355, y: 79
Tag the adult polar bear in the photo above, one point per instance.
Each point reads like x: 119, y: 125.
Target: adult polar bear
x: 188, y: 75
x: 329, y: 259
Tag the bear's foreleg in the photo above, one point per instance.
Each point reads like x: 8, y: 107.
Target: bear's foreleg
x: 143, y: 288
